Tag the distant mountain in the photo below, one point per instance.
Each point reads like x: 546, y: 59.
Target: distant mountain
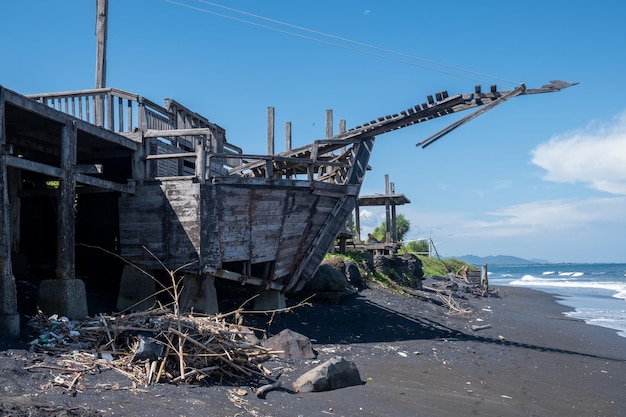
x: 499, y: 260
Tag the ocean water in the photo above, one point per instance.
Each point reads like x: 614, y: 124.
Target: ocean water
x: 596, y: 292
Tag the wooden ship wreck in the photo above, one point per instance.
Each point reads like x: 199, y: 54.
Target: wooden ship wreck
x: 160, y: 185
x: 186, y: 197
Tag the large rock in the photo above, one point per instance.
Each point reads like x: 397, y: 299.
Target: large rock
x: 294, y: 345
x: 333, y: 374
x: 354, y: 275
x: 327, y: 278
x: 405, y: 269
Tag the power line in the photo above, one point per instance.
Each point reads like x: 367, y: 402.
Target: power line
x: 388, y: 51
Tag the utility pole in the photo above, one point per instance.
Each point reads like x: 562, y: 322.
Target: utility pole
x: 102, y: 8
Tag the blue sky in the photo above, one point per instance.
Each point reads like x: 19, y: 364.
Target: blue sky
x: 540, y: 176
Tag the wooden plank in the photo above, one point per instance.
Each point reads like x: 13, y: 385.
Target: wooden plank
x: 33, y: 166
x: 154, y: 133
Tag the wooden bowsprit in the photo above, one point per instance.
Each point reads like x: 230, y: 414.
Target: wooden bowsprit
x: 504, y: 96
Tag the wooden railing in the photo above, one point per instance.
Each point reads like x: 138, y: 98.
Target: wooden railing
x: 110, y: 108
x: 180, y: 142
x: 128, y: 113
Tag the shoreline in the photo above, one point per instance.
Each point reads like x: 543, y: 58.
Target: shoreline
x: 413, y: 359
x: 595, y: 292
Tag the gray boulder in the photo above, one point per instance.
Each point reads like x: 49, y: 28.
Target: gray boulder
x: 294, y: 345
x: 333, y: 374
x: 354, y: 275
x: 327, y: 278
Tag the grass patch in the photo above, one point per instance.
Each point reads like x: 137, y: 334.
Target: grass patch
x: 441, y: 267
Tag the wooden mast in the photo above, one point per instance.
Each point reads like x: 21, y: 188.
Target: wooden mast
x: 102, y: 7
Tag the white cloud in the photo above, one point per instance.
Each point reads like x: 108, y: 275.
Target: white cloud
x: 367, y: 11
x: 369, y: 220
x: 543, y: 217
x: 595, y: 156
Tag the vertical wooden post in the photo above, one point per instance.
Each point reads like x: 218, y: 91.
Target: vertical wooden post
x: 101, y: 42
x: 329, y: 123
x: 201, y: 160
x: 139, y: 162
x: 484, y: 280
x: 67, y: 194
x: 329, y: 134
x: 101, y: 47
x: 270, y: 130
x: 9, y: 318
x: 387, y: 209
x: 394, y: 223
x: 287, y: 136
x: 357, y: 220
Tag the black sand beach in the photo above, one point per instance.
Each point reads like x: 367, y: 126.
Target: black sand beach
x: 414, y: 360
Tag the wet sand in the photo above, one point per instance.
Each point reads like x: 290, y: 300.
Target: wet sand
x: 414, y: 360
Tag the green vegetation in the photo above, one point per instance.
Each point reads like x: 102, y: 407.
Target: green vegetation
x: 416, y: 246
x: 431, y: 266
x: 441, y: 267
x: 403, y: 225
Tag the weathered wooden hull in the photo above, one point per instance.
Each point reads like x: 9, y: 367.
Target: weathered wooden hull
x: 269, y: 232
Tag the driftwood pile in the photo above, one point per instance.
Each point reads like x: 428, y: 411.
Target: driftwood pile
x: 157, y: 346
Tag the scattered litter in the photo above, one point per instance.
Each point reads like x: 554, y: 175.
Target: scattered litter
x: 211, y: 346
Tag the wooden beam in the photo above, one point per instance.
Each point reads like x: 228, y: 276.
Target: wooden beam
x: 33, y: 166
x: 244, y: 279
x: 431, y: 139
x: 89, y: 168
x: 153, y: 133
x: 104, y: 184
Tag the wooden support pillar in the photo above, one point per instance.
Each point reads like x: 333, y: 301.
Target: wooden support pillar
x: 65, y: 295
x: 66, y: 216
x: 139, y: 162
x: 201, y: 160
x: 387, y: 209
x: 394, y: 223
x: 357, y: 220
x: 9, y: 317
x: 15, y: 186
